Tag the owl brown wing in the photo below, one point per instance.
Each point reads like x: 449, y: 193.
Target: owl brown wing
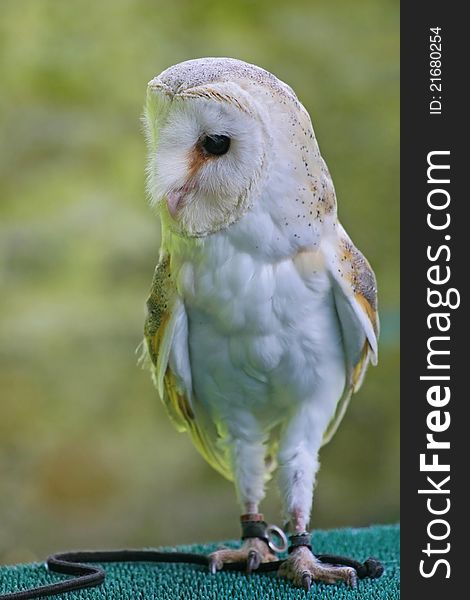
x: 165, y: 323
x: 355, y: 296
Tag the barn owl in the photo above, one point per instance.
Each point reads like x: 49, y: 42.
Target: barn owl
x: 262, y: 314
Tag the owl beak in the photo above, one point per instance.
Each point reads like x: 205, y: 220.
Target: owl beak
x: 177, y: 198
x: 175, y: 201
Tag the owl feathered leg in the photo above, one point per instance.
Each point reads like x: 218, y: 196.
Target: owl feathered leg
x: 298, y: 467
x: 249, y: 468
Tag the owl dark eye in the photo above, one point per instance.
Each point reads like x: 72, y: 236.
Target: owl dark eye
x: 216, y: 144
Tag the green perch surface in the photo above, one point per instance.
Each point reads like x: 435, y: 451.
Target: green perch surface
x: 129, y: 581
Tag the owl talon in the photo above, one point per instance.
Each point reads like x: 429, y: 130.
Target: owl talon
x: 213, y: 566
x: 253, y: 552
x: 253, y: 561
x: 353, y: 579
x: 306, y: 581
x: 302, y: 568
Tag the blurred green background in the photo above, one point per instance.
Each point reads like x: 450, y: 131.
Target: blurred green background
x: 88, y: 457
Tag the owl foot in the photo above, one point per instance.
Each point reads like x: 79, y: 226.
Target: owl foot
x: 302, y: 568
x: 253, y: 552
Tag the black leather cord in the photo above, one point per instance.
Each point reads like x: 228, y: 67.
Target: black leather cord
x: 86, y: 575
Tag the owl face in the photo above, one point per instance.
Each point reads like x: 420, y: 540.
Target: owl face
x: 225, y: 136
x: 208, y: 144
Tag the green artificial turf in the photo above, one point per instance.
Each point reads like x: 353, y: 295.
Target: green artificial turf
x: 145, y: 581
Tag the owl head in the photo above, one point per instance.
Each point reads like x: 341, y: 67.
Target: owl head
x: 214, y: 131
